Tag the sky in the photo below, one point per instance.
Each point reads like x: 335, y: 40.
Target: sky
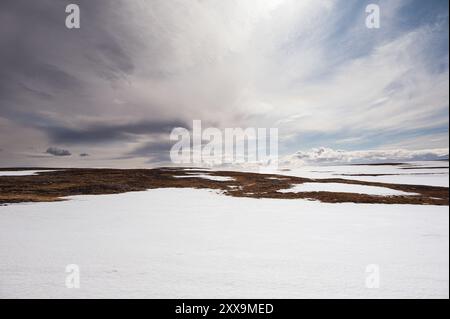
x: 109, y: 93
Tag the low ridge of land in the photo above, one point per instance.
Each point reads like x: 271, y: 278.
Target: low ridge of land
x: 55, y: 185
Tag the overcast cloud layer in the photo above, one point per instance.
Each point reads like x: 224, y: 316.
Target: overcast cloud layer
x: 115, y: 88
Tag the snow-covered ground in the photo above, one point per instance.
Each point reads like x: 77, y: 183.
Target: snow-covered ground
x: 23, y: 173
x: 411, y: 173
x: 185, y: 243
x: 344, y: 188
x: 209, y: 177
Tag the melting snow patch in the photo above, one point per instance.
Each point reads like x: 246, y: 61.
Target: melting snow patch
x: 344, y: 188
x: 23, y: 173
x: 276, y: 178
x: 212, y: 178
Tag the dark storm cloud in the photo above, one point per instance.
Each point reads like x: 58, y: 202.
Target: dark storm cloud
x: 40, y: 56
x: 152, y: 148
x: 158, y: 151
x: 53, y: 76
x: 47, y: 72
x: 38, y: 93
x: 57, y: 151
x: 100, y: 133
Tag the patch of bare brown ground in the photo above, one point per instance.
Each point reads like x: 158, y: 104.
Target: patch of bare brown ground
x: 55, y: 185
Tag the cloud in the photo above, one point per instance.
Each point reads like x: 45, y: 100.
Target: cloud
x: 100, y: 132
x: 153, y: 151
x: 136, y: 68
x: 57, y: 151
x: 330, y: 156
